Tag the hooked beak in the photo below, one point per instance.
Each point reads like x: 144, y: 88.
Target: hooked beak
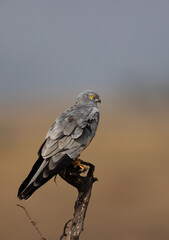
x: 98, y: 100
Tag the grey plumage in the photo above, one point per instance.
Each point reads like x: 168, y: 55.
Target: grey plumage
x: 67, y: 138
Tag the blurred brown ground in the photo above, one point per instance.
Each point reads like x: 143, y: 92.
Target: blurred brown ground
x: 131, y: 154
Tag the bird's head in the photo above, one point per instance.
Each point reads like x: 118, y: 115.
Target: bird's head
x: 88, y: 97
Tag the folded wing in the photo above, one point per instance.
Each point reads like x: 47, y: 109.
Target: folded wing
x: 68, y: 137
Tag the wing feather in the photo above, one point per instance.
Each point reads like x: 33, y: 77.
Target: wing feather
x: 62, y: 143
x: 77, y: 132
x: 69, y: 125
x: 67, y: 138
x: 70, y: 135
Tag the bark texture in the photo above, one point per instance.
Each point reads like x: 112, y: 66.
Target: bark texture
x: 84, y: 186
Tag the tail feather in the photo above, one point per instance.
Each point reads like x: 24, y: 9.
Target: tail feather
x: 36, y: 178
x: 30, y: 189
x: 31, y: 174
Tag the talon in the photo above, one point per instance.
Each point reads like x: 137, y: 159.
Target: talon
x: 77, y: 163
x: 81, y: 166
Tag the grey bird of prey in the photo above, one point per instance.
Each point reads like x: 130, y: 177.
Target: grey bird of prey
x: 70, y: 134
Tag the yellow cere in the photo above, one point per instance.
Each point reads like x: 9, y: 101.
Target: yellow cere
x: 91, y: 96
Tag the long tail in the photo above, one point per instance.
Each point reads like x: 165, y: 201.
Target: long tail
x: 27, y: 188
x: 36, y: 177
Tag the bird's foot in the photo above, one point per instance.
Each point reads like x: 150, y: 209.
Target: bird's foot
x: 77, y: 164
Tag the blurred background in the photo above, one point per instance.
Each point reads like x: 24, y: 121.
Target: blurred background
x: 50, y: 51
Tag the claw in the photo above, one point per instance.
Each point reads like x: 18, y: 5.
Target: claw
x: 77, y: 163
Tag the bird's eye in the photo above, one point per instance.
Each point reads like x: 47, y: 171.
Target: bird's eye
x: 91, y: 96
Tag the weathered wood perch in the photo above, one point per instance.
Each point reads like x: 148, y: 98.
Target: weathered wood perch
x: 84, y: 186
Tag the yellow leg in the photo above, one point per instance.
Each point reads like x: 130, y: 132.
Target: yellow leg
x: 77, y: 163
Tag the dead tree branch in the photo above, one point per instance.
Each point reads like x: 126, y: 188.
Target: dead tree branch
x: 31, y: 221
x: 84, y: 186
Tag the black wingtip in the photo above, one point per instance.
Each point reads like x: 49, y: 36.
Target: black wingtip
x: 21, y: 197
x: 26, y: 189
x: 27, y: 192
x: 29, y: 177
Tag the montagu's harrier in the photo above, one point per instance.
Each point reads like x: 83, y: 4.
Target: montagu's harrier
x: 67, y: 138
